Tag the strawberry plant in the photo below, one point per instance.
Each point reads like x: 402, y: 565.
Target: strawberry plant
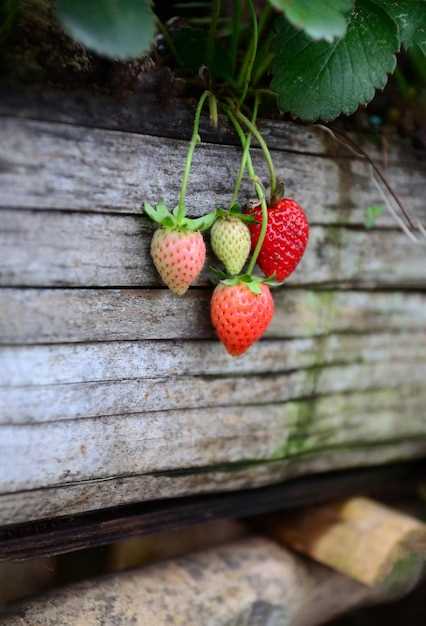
x: 318, y: 59
x: 311, y: 60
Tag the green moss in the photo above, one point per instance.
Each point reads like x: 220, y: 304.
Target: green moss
x: 324, y: 310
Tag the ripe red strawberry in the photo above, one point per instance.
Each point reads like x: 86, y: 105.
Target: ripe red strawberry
x: 239, y: 315
x: 286, y: 238
x: 178, y: 256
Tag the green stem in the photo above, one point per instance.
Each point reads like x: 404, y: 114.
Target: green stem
x: 236, y: 29
x: 259, y: 191
x: 216, y: 4
x: 264, y: 17
x: 252, y: 128
x: 251, y: 58
x: 246, y: 154
x: 194, y: 140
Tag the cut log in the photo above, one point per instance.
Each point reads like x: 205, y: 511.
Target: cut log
x: 249, y: 582
x: 358, y: 537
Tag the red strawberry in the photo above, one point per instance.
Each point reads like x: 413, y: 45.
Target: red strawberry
x: 239, y: 315
x: 286, y: 238
x: 178, y: 256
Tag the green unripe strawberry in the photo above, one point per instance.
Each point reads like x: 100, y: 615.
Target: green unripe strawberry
x: 230, y: 239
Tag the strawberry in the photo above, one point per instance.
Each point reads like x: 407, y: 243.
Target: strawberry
x: 230, y: 239
x: 177, y: 248
x: 286, y: 238
x: 179, y: 257
x: 241, y: 312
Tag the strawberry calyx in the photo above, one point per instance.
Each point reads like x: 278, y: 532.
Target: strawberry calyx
x: 278, y: 193
x: 170, y: 220
x: 234, y: 211
x: 251, y: 281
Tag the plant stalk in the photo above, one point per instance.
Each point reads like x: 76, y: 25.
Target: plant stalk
x: 216, y: 5
x: 259, y: 191
x: 253, y: 129
x: 194, y: 140
x: 248, y: 63
x: 245, y: 155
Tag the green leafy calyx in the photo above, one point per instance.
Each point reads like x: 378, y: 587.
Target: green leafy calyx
x: 160, y: 214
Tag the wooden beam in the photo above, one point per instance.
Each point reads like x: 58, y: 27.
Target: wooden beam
x: 66, y: 534
x: 53, y: 249
x: 252, y: 581
x: 69, y: 168
x: 357, y: 537
x: 40, y: 316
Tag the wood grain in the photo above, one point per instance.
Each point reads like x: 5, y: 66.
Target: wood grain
x: 251, y: 582
x: 80, y: 315
x: 192, y: 439
x: 69, y: 533
x: 80, y: 250
x: 28, y: 405
x: 34, y: 366
x: 156, y: 112
x: 58, y: 166
x: 92, y: 495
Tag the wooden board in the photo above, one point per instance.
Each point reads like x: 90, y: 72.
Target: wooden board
x: 252, y: 581
x: 81, y: 250
x: 114, y: 391
x: 66, y: 167
x: 76, y: 532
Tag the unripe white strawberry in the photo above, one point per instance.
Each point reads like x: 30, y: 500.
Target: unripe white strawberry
x: 179, y: 257
x: 230, y: 239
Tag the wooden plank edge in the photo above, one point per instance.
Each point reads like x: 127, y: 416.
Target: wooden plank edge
x: 75, y: 532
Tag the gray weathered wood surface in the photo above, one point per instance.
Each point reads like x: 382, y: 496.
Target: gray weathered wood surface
x: 251, y: 582
x: 113, y: 390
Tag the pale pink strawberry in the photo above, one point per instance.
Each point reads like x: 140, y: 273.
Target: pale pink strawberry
x: 179, y: 257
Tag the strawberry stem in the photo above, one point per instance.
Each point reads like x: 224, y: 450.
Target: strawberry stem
x: 194, y: 140
x: 251, y: 54
x: 253, y: 129
x: 259, y: 191
x: 246, y: 153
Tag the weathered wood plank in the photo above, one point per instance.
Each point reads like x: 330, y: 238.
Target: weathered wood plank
x: 150, y: 113
x: 112, y: 361
x: 70, y: 315
x: 53, y: 249
x: 194, y: 439
x: 57, y: 166
x: 69, y: 533
x: 252, y: 581
x: 90, y: 495
x: 33, y: 404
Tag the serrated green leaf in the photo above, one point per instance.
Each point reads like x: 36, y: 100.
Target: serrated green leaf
x: 318, y: 80
x: 371, y: 215
x: 410, y: 15
x: 320, y: 19
x: 120, y: 30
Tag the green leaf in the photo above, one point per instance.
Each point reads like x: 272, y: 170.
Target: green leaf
x: 410, y: 15
x: 159, y: 214
x: 371, y: 214
x: 120, y: 30
x: 201, y: 223
x: 320, y: 19
x: 321, y: 80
